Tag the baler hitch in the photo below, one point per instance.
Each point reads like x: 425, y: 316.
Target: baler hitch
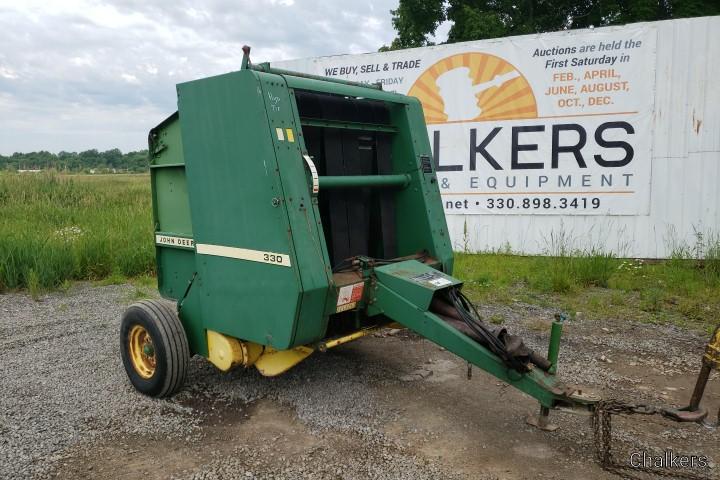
x: 431, y: 303
x: 604, y: 411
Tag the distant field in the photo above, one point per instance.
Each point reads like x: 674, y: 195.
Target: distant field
x: 58, y: 228
x: 55, y: 228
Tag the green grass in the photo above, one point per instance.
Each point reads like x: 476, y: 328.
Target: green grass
x: 685, y: 292
x: 55, y: 228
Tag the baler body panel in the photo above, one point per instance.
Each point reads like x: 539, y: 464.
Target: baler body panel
x: 311, y: 261
x: 421, y: 219
x: 257, y: 247
x: 171, y: 209
x: 234, y: 179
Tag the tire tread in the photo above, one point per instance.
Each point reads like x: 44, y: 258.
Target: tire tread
x: 177, y: 351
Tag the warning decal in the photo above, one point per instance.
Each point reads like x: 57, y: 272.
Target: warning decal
x: 433, y: 278
x: 349, y: 294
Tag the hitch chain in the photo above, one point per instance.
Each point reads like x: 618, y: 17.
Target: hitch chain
x: 602, y: 435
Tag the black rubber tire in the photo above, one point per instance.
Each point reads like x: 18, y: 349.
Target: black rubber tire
x: 172, y: 353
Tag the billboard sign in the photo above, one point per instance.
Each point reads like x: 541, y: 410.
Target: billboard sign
x: 557, y: 124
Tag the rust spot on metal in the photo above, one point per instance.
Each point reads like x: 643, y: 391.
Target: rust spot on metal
x: 696, y: 123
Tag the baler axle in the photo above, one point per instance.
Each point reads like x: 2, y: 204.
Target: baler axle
x: 227, y: 352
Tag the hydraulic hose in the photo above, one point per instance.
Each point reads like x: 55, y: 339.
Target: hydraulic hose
x: 459, y: 312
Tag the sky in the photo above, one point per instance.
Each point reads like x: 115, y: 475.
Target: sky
x: 82, y: 74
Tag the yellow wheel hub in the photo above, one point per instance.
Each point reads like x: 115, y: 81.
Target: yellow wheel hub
x: 142, y: 351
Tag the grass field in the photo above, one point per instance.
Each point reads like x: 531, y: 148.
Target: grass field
x: 56, y: 228
x: 681, y: 291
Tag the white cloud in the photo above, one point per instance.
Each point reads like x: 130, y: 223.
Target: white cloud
x: 198, y: 14
x: 108, y: 16
x: 373, y: 23
x: 129, y: 78
x: 441, y: 34
x: 82, y: 74
x: 82, y: 61
x: 8, y: 73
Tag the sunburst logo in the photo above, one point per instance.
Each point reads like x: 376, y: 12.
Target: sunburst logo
x: 474, y: 86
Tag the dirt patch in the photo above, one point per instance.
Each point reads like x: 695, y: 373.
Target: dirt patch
x: 263, y: 427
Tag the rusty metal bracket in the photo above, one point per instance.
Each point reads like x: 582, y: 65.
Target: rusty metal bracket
x: 710, y: 361
x: 542, y: 420
x: 712, y: 350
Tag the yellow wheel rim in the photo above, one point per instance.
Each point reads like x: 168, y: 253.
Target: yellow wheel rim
x: 142, y: 351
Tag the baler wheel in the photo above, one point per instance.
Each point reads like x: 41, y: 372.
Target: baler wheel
x: 154, y: 348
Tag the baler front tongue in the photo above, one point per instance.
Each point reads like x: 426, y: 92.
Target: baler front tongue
x: 431, y: 303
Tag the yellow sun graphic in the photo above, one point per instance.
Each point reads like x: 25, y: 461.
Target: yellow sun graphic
x: 474, y: 87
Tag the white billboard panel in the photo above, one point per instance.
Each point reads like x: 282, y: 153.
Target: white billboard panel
x: 607, y: 137
x: 553, y: 124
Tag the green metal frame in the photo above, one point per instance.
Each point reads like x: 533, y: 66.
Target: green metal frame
x: 355, y: 181
x: 400, y: 295
x: 369, y: 127
x: 229, y: 173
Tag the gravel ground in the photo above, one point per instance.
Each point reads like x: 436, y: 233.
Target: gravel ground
x: 63, y: 382
x: 394, y: 407
x: 64, y: 385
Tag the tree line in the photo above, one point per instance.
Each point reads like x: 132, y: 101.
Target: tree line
x: 416, y: 21
x: 109, y: 161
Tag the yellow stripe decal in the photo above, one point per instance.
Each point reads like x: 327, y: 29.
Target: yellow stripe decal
x: 272, y: 258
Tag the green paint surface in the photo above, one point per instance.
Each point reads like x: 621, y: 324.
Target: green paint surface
x: 223, y: 175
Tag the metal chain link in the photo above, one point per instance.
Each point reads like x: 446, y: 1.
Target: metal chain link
x: 602, y: 435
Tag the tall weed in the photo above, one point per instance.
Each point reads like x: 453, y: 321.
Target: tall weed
x: 73, y: 228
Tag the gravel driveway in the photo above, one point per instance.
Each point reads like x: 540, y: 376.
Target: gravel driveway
x: 391, y: 406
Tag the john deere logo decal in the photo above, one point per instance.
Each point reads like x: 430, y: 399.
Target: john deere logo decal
x: 474, y: 86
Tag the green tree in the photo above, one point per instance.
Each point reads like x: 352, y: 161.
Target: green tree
x: 108, y: 161
x: 415, y: 20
